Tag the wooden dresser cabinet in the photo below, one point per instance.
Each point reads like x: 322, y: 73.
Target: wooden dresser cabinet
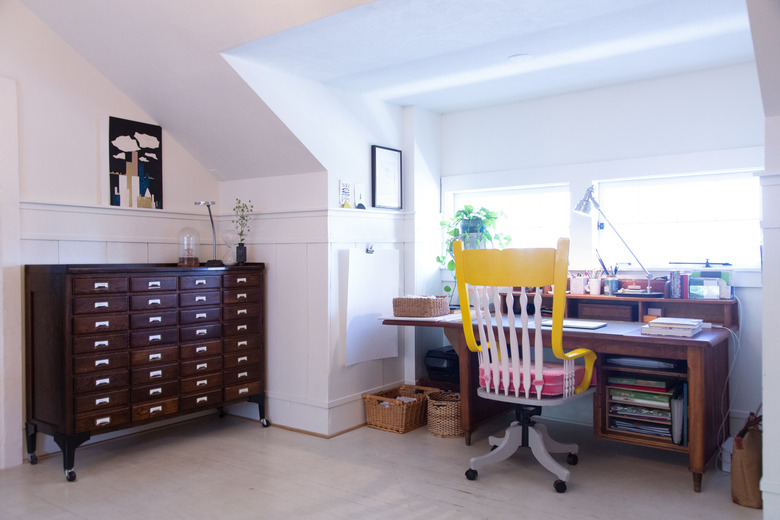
x: 114, y: 346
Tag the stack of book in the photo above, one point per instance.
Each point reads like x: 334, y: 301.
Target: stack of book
x: 647, y: 406
x: 685, y: 327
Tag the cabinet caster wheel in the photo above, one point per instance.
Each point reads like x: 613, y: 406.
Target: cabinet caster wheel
x: 560, y: 486
x: 221, y: 412
x: 572, y: 459
x: 264, y: 423
x: 70, y: 475
x: 33, y: 458
x: 471, y: 474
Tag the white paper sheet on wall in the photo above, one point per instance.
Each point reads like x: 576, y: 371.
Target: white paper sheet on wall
x: 372, y: 284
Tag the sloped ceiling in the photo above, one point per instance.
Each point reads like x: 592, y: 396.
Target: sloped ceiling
x: 441, y: 55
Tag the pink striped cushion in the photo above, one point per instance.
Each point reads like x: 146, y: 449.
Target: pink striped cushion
x: 552, y: 373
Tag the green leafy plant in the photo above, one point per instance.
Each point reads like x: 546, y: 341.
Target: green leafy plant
x: 243, y: 212
x: 475, y: 228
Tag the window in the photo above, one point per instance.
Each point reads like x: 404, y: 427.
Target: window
x: 692, y: 218
x: 534, y: 216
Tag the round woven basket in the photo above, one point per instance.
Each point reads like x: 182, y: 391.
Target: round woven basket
x: 444, y: 415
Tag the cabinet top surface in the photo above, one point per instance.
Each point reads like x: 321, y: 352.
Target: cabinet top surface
x: 139, y: 268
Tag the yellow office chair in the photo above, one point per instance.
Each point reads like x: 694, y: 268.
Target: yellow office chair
x: 487, y: 281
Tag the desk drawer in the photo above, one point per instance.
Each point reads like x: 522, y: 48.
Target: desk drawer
x: 100, y: 422
x: 155, y: 409
x: 243, y: 391
x: 93, y: 403
x: 202, y: 400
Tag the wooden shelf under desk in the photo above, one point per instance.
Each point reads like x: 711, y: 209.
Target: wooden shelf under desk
x: 633, y: 308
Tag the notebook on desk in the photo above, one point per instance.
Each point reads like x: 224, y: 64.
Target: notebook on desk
x: 576, y: 324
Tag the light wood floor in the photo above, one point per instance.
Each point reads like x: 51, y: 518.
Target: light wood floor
x: 232, y: 468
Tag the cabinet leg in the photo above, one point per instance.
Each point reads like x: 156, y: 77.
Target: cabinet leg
x: 259, y: 399
x: 68, y: 445
x: 697, y: 482
x: 31, y: 432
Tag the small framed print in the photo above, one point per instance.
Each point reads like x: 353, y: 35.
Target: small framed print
x: 386, y: 177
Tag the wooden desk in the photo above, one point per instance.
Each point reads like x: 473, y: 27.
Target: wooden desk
x: 702, y: 361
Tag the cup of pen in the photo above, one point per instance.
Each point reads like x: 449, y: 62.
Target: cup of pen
x: 611, y: 285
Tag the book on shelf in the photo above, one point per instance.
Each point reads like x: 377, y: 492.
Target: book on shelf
x: 641, y: 427
x: 683, y: 332
x: 650, y: 385
x: 668, y: 321
x: 677, y: 411
x: 640, y: 412
x: 637, y: 397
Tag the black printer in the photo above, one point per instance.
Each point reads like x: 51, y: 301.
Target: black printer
x: 442, y: 364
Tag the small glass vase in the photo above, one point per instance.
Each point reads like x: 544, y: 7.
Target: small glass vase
x: 240, y: 253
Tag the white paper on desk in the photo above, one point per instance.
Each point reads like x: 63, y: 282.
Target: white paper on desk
x: 372, y: 283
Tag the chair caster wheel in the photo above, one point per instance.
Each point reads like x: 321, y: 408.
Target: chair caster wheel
x: 572, y: 459
x: 560, y: 486
x: 471, y: 474
x: 264, y: 423
x: 70, y: 475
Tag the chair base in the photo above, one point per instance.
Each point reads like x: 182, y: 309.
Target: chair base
x: 528, y: 434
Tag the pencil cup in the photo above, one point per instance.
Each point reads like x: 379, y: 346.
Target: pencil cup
x: 611, y: 286
x: 594, y: 286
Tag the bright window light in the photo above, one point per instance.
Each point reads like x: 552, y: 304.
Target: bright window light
x: 692, y: 218
x: 534, y: 216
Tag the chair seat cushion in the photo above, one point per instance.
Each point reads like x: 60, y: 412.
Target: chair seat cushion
x: 552, y: 374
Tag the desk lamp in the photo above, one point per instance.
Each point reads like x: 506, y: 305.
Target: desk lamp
x: 214, y: 262
x: 583, y: 208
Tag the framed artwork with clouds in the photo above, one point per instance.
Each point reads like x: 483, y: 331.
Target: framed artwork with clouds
x: 135, y: 164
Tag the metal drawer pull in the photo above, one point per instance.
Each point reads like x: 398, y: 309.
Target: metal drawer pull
x: 103, y: 381
x: 201, y: 332
x: 154, y: 301
x: 201, y: 366
x: 240, y: 280
x: 101, y: 343
x: 243, y: 374
x: 202, y: 382
x: 241, y: 327
x: 243, y: 391
x: 101, y: 324
x: 241, y: 296
x: 243, y: 343
x: 241, y: 311
x: 99, y: 305
x: 153, y: 319
x: 200, y: 282
x: 101, y: 285
x: 203, y: 399
x: 155, y: 391
x: 201, y: 349
x: 102, y: 400
x: 155, y: 373
x: 103, y: 421
x: 200, y: 298
x: 155, y: 357
x: 201, y: 315
x: 242, y: 359
x: 155, y: 409
x: 99, y: 362
x: 153, y: 285
x: 155, y: 337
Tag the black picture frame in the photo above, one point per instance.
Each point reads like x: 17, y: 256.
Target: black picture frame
x: 386, y: 177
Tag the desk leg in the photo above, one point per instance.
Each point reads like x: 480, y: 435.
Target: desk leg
x: 697, y: 482
x: 458, y: 342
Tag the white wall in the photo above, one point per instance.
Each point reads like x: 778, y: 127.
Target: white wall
x: 705, y: 121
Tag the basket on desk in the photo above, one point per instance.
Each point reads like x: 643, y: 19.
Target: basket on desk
x: 398, y: 416
x: 444, y: 415
x: 421, y: 307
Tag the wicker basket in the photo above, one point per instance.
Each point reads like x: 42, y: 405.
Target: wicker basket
x: 397, y: 416
x: 444, y: 415
x: 420, y: 307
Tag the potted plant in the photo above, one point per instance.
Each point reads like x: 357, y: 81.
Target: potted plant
x: 475, y: 228
x: 242, y: 211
